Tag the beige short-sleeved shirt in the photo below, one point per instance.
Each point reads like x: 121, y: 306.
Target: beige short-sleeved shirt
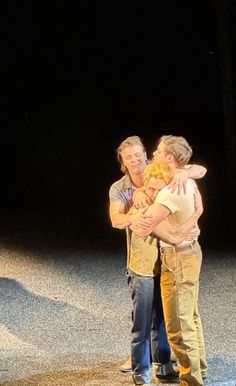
x: 180, y: 205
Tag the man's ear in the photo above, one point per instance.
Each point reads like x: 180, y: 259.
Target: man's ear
x: 170, y: 158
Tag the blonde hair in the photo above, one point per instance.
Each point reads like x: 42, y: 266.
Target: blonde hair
x: 157, y: 170
x: 129, y: 141
x: 178, y: 147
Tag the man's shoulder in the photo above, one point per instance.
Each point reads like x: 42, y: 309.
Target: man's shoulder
x: 166, y: 195
x: 121, y: 190
x: 122, y: 184
x: 190, y: 187
x: 166, y: 191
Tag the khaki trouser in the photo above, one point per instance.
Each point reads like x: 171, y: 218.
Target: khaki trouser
x: 179, y: 290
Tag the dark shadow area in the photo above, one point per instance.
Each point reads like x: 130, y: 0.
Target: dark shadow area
x: 44, y: 323
x: 78, y: 80
x: 61, y: 200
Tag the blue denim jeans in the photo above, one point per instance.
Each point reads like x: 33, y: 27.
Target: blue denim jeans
x: 147, y: 308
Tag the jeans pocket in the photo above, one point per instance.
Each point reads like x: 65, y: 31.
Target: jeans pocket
x: 130, y: 280
x: 188, y: 268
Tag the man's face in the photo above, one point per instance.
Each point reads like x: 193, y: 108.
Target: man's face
x: 160, y: 155
x: 153, y: 186
x: 134, y: 159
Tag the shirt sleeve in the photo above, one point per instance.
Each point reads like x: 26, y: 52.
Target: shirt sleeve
x: 115, y: 194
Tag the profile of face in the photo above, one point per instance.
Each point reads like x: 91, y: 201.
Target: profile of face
x: 153, y: 186
x: 160, y: 155
x: 134, y: 158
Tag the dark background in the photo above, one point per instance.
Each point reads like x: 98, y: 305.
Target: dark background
x: 77, y: 78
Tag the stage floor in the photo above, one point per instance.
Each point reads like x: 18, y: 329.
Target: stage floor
x: 65, y: 316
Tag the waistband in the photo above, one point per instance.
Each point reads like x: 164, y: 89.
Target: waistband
x: 179, y: 248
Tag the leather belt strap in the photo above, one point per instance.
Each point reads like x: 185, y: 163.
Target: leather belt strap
x: 178, y: 248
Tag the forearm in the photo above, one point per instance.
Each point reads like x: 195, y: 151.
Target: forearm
x: 196, y: 171
x: 141, y: 199
x: 140, y: 231
x: 146, y: 223
x: 137, y: 191
x: 175, y: 235
x: 120, y: 220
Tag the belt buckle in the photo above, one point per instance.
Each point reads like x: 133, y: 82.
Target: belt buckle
x: 170, y: 249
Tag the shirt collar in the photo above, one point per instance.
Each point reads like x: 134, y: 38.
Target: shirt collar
x: 128, y: 183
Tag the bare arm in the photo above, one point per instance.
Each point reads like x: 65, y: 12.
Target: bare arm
x: 145, y: 223
x: 119, y: 218
x: 141, y: 199
x: 195, y: 171
x: 189, y: 171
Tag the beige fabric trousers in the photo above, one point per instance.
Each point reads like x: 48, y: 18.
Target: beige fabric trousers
x: 179, y: 290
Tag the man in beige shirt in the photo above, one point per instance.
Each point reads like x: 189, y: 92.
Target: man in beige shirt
x: 180, y: 266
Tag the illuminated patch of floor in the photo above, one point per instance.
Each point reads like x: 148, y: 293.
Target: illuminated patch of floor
x: 106, y: 374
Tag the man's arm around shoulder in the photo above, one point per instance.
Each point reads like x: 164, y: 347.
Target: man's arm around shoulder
x: 146, y: 222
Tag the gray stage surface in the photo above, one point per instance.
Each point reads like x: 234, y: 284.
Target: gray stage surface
x: 65, y: 317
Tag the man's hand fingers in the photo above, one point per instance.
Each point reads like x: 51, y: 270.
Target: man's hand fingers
x: 144, y: 204
x: 179, y: 182
x: 182, y: 186
x: 140, y: 204
x: 144, y: 221
x: 172, y: 186
x: 177, y: 185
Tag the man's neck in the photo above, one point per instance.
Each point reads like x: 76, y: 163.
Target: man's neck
x: 175, y: 170
x: 137, y: 179
x: 174, y: 167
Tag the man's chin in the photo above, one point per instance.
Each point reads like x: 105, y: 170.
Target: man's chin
x: 137, y: 170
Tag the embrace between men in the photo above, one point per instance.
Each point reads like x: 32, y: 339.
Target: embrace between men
x: 158, y: 204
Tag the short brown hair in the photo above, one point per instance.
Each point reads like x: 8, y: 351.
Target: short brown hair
x: 178, y: 147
